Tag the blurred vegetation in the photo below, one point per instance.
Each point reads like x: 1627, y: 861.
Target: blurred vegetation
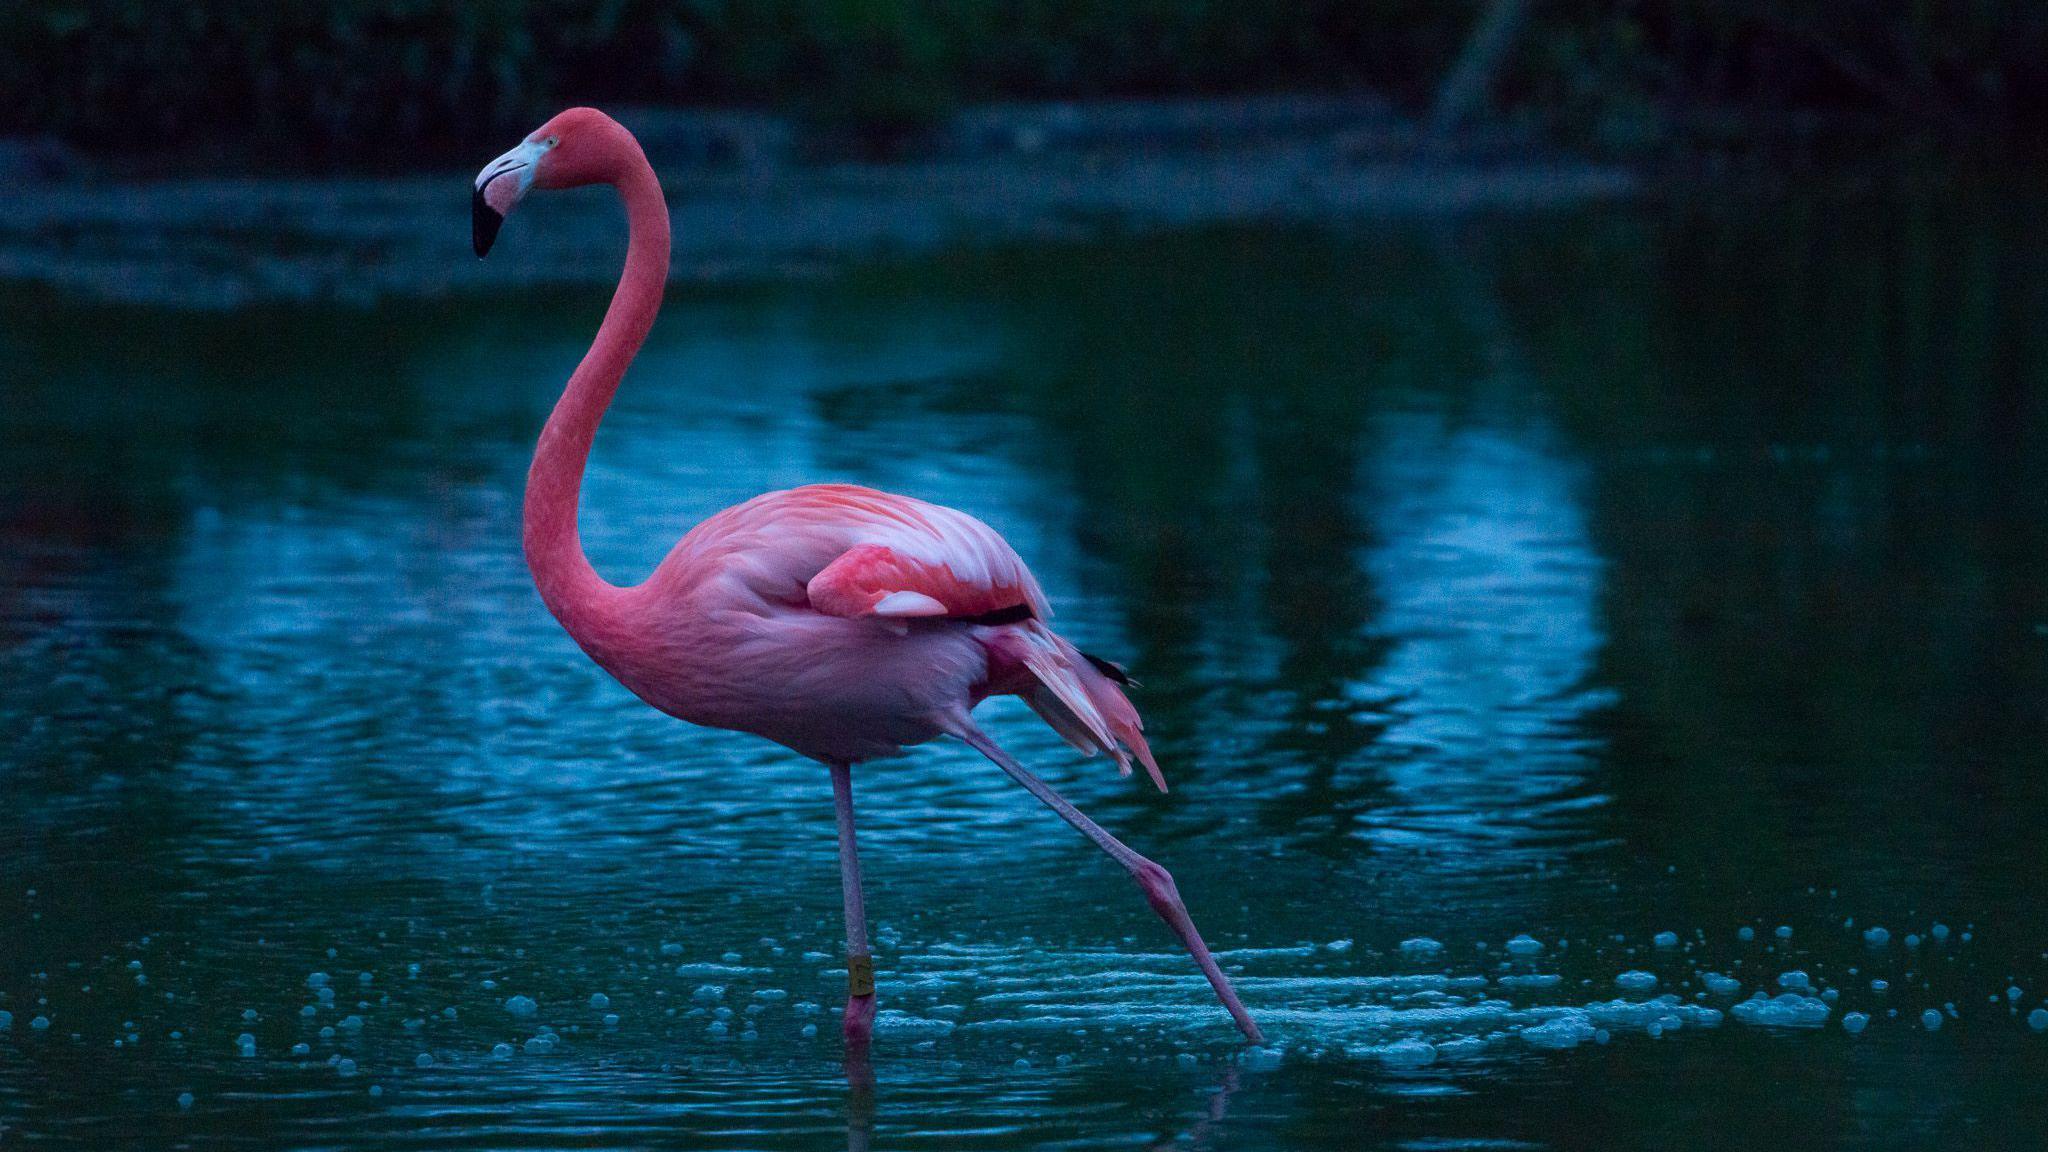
x: 364, y: 80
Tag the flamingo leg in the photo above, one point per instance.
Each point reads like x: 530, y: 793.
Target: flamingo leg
x: 1154, y: 880
x: 859, y: 1022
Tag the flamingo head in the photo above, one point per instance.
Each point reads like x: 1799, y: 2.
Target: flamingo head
x: 579, y: 146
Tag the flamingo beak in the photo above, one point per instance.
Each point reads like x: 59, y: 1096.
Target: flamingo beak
x: 499, y: 187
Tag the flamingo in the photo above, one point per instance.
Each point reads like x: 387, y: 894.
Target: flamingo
x: 841, y: 622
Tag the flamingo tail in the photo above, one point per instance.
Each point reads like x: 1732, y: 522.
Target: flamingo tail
x: 1080, y: 696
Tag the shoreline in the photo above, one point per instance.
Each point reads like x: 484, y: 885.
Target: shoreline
x: 233, y: 242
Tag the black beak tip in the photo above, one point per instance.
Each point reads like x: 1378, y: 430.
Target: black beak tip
x: 484, y: 222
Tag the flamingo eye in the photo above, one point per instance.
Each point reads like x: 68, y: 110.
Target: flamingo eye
x: 552, y: 141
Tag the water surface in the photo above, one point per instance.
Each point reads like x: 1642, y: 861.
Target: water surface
x: 1664, y: 569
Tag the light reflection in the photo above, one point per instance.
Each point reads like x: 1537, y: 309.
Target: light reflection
x: 1489, y: 588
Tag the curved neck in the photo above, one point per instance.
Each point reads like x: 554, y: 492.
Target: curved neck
x: 580, y: 598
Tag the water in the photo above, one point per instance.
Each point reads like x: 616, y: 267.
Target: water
x: 1506, y: 595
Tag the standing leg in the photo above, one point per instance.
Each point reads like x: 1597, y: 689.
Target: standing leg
x: 860, y: 963
x: 1156, y: 882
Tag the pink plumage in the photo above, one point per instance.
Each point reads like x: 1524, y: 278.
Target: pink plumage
x: 844, y: 623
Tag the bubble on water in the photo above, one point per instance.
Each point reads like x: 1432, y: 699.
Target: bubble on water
x: 376, y: 1089
x: 248, y: 1014
x: 1786, y: 1010
x: 611, y: 1019
x: 1563, y: 1032
x: 501, y: 1050
x: 1343, y: 945
x: 1912, y: 940
x: 522, y: 1007
x: 1880, y: 985
x: 1939, y: 931
x: 184, y: 1100
x: 770, y: 994
x: 40, y: 1023
x: 890, y: 1022
x: 423, y: 1060
x: 1530, y: 980
x: 1261, y: 1059
x: 1636, y: 980
x: 1721, y: 985
x: 1745, y: 933
x: 1855, y: 1022
x: 1794, y: 979
x: 6, y: 1020
x: 2038, y: 1019
x: 1665, y: 940
x: 732, y: 957
x: 1931, y: 1020
x: 541, y: 1044
x: 246, y: 1044
x: 1784, y: 931
x: 1525, y: 945
x: 809, y: 1031
x: 708, y: 993
x: 302, y: 1049
x: 352, y: 1023
x: 717, y: 1028
x: 1421, y: 945
x: 1876, y: 937
x: 670, y: 948
x: 2013, y: 993
x: 600, y: 1000
x: 1410, y: 1053
x: 345, y: 1067
x: 317, y: 980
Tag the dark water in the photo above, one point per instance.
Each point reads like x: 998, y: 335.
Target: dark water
x: 1665, y: 569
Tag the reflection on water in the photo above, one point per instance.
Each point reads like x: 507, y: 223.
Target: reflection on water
x: 1660, y: 572
x: 1489, y: 585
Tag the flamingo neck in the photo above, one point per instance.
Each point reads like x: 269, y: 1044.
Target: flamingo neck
x: 580, y: 598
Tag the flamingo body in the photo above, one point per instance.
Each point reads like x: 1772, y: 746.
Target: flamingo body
x: 841, y: 622
x: 849, y: 624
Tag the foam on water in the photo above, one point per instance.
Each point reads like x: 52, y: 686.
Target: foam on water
x: 1786, y: 1010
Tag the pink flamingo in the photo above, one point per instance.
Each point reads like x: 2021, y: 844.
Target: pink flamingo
x: 841, y: 622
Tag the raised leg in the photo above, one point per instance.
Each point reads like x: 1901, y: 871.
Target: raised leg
x: 859, y: 1021
x: 1155, y: 881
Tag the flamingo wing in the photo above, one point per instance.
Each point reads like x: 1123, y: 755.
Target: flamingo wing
x: 904, y: 559
x: 970, y: 576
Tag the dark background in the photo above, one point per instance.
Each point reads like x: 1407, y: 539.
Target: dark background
x: 367, y: 82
